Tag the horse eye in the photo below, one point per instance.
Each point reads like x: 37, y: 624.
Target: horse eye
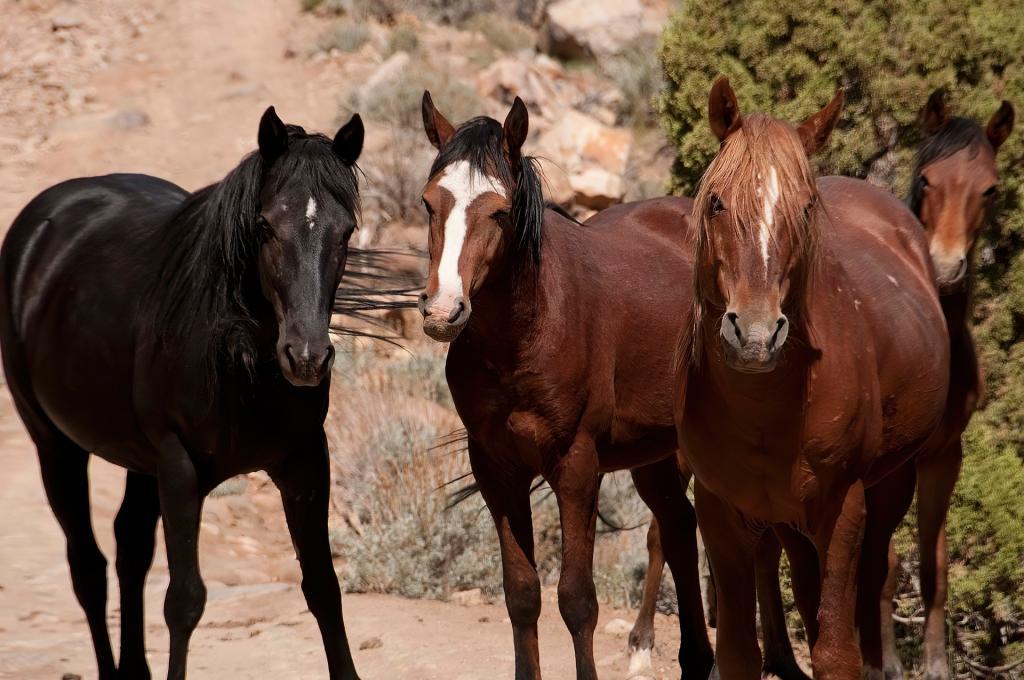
x: 716, y: 205
x: 264, y: 226
x: 991, y: 192
x: 499, y: 215
x: 924, y: 182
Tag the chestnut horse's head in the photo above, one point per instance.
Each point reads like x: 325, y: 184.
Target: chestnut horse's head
x: 954, y: 183
x: 756, y: 237
x: 484, y: 202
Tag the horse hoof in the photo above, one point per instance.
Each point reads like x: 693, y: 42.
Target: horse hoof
x: 640, y: 667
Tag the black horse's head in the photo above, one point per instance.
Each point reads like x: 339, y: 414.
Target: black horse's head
x: 307, y: 212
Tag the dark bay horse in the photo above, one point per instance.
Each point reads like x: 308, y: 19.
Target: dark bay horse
x: 184, y: 337
x: 814, y: 363
x: 561, y: 344
x: 953, y: 187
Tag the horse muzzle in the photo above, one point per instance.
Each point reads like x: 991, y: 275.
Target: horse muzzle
x: 752, y: 347
x: 305, y: 364
x: 443, y: 320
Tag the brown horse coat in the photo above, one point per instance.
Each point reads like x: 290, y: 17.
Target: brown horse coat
x: 789, y: 434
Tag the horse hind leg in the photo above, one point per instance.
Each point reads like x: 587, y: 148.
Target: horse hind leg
x: 663, y: 489
x: 65, y: 473
x: 135, y: 530
x: 641, y: 637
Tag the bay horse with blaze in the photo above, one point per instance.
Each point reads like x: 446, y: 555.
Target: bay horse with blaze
x: 183, y: 337
x: 559, y: 366
x: 954, y: 186
x: 815, y: 363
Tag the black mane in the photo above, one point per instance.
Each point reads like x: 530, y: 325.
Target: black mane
x: 208, y: 247
x: 956, y: 134
x: 478, y: 141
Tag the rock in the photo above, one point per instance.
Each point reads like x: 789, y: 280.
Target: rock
x: 65, y: 20
x: 555, y: 181
x: 597, y: 188
x: 576, y: 29
x: 126, y: 119
x: 371, y: 643
x: 591, y: 154
x: 618, y: 627
x: 468, y: 598
x: 540, y: 82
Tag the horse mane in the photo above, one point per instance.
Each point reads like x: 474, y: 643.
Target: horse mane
x: 743, y: 161
x: 209, y: 245
x: 955, y: 135
x: 478, y: 142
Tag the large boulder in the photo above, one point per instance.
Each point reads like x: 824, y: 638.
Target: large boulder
x: 592, y: 155
x: 577, y: 29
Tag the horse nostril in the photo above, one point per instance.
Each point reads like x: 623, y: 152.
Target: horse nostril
x: 460, y: 306
x: 291, y: 357
x: 325, y: 365
x: 780, y: 324
x: 733, y: 318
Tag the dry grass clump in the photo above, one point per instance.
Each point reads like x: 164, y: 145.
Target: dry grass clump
x: 345, y: 36
x: 504, y: 33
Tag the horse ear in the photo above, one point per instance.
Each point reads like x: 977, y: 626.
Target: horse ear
x: 273, y: 136
x: 934, y: 115
x: 515, y: 129
x: 1000, y: 125
x: 723, y: 109
x: 438, y: 129
x: 815, y: 130
x: 348, y: 143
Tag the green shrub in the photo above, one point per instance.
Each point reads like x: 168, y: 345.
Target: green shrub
x: 787, y: 59
x: 345, y: 36
x: 403, y: 38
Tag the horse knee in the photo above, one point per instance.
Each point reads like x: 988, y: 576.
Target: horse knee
x: 184, y: 604
x: 577, y: 602
x: 88, y: 572
x: 522, y: 598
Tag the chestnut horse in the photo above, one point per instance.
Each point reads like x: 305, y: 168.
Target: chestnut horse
x: 815, y: 362
x: 559, y: 366
x: 183, y: 336
x: 952, y: 189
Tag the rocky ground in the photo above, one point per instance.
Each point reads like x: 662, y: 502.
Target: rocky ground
x: 176, y: 89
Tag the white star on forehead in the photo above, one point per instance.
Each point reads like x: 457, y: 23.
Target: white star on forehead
x: 311, y: 212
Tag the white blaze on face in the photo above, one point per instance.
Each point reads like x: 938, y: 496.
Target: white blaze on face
x: 311, y: 213
x: 465, y: 185
x: 770, y: 192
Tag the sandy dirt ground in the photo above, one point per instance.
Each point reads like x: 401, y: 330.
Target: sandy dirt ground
x: 201, y: 73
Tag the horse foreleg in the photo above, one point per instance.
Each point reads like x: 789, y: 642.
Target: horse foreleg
x: 778, y: 651
x: 507, y: 494
x: 304, y: 480
x: 180, y: 506
x: 664, y: 492
x: 887, y: 503
x: 936, y: 477
x: 135, y: 530
x: 641, y: 637
x: 836, y: 654
x: 575, y: 483
x: 730, y: 545
x: 65, y: 473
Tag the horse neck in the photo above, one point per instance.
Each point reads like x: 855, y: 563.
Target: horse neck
x: 510, y: 308
x: 957, y: 307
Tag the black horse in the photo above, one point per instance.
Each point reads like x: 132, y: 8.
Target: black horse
x: 184, y: 337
